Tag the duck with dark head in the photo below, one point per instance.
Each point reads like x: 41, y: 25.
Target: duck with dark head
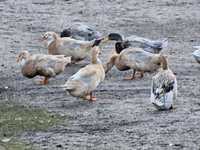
x: 77, y: 49
x: 133, y: 58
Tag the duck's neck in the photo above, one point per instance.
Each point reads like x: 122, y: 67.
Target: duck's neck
x: 24, y: 60
x: 95, y: 59
x: 163, y: 62
x: 53, y: 44
x: 110, y: 63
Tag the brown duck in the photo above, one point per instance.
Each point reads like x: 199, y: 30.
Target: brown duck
x: 134, y: 58
x: 42, y: 65
x: 77, y: 49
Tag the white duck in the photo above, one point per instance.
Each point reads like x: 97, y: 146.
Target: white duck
x: 82, y: 83
x: 164, y: 88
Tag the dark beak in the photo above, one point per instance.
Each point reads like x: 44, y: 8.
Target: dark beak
x: 97, y: 42
x: 115, y: 37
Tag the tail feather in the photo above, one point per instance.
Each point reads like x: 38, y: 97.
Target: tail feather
x: 159, y: 44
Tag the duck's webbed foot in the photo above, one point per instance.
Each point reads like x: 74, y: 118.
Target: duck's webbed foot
x: 130, y: 77
x: 90, y: 97
x: 45, y: 81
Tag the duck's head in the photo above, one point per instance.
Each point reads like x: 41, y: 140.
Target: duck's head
x: 49, y: 37
x: 114, y: 37
x: 119, y: 46
x: 109, y: 37
x: 164, y: 88
x: 22, y: 56
x: 66, y: 33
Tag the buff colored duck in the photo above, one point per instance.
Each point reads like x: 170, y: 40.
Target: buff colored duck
x: 164, y: 88
x: 133, y: 58
x: 41, y: 64
x: 82, y: 83
x: 68, y: 46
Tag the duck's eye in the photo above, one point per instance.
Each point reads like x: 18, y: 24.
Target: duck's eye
x: 89, y: 34
x: 119, y: 47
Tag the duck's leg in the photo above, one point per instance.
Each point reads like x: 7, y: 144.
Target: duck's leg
x: 45, y: 81
x: 141, y: 74
x: 131, y: 77
x: 90, y: 97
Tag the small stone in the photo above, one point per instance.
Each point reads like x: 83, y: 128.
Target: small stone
x: 59, y: 146
x: 5, y: 140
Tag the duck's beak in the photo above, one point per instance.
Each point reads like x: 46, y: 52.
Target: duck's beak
x: 42, y: 38
x: 18, y: 58
x: 112, y: 37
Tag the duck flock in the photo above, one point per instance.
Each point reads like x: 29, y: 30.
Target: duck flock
x: 81, y: 41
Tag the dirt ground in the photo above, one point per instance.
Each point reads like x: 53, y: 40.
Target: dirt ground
x: 122, y: 117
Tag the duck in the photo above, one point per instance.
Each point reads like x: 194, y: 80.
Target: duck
x: 77, y: 49
x: 86, y: 80
x: 133, y: 58
x: 152, y: 46
x: 81, y: 31
x: 48, y: 66
x: 196, y: 53
x: 164, y: 88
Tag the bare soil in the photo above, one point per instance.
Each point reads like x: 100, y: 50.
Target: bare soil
x: 122, y: 117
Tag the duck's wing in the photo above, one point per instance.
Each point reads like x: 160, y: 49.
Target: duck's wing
x: 50, y: 65
x: 85, y: 74
x: 163, y: 91
x: 138, y: 55
x: 148, y: 44
x: 81, y: 31
x: 74, y: 44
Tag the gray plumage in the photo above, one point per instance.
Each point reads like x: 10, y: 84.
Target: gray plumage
x: 153, y: 46
x: 81, y: 31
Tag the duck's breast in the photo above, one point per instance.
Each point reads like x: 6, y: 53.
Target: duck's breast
x: 29, y: 69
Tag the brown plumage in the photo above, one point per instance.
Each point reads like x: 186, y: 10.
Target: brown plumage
x: 77, y: 49
x: 136, y: 59
x: 42, y: 65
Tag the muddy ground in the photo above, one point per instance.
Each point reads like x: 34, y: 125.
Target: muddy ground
x: 122, y: 117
